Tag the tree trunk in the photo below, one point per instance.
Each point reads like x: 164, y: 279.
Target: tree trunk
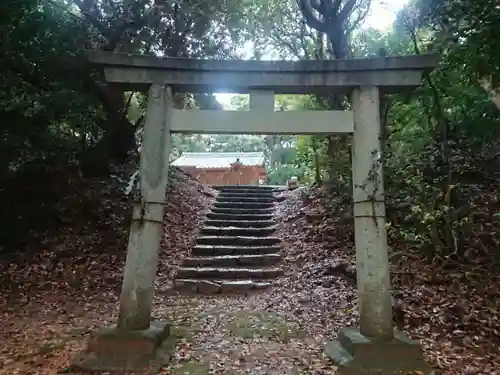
x: 118, y: 140
x: 494, y: 94
x: 317, y: 178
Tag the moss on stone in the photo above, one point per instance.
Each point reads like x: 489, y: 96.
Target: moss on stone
x: 191, y: 368
x: 181, y: 332
x: 262, y: 324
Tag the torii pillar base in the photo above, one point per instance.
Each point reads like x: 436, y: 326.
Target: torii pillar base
x: 356, y: 354
x: 114, y: 349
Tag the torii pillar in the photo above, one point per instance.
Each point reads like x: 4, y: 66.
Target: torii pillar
x: 131, y: 345
x: 374, y: 347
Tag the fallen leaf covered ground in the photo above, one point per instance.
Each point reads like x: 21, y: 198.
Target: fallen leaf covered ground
x: 454, y: 315
x: 46, y: 316
x: 55, y: 292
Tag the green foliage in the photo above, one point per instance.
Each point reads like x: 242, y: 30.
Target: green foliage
x: 240, y: 103
x: 235, y: 143
x: 469, y: 29
x: 311, y: 151
x: 280, y: 175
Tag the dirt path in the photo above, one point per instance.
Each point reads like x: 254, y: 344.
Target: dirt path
x: 225, y: 335
x: 260, y: 334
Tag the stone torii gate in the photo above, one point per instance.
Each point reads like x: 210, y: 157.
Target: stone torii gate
x: 374, y: 346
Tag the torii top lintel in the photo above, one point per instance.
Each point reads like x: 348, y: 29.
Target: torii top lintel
x: 138, y: 72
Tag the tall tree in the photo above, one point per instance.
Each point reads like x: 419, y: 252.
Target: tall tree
x: 46, y: 82
x: 335, y: 18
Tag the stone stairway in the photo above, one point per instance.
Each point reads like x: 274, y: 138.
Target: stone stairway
x: 236, y: 251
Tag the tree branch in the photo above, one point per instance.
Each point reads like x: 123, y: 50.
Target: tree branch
x: 91, y: 18
x: 293, y: 49
x: 113, y: 35
x: 308, y: 13
x: 332, y: 14
x: 31, y: 79
x: 360, y: 18
x: 127, y: 106
x: 316, y: 4
x: 138, y: 122
x: 438, y: 113
x: 112, y: 106
x: 492, y: 93
x: 346, y: 11
x: 319, y: 51
x: 302, y: 40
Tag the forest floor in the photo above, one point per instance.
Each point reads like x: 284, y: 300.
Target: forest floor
x: 54, y: 294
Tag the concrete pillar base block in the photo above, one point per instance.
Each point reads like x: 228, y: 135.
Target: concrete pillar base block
x: 113, y: 349
x: 356, y: 354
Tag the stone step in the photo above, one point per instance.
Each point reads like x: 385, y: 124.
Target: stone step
x: 254, y: 211
x: 239, y: 216
x: 220, y: 286
x: 242, y: 187
x: 238, y: 240
x: 231, y: 231
x: 245, y: 199
x: 239, y: 223
x: 251, y: 205
x: 269, y: 195
x: 212, y: 250
x: 233, y: 260
x: 246, y: 191
x: 228, y: 273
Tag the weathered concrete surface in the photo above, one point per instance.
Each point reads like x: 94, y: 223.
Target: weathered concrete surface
x: 211, y: 250
x: 191, y: 75
x: 258, y: 122
x: 114, y: 349
x: 416, y: 62
x: 239, y: 216
x: 238, y: 240
x: 359, y: 355
x: 220, y: 286
x: 372, y: 262
x: 228, y: 231
x: 227, y: 199
x: 242, y: 211
x: 233, y: 260
x: 245, y: 189
x: 239, y: 223
x: 145, y: 233
x: 245, y: 205
x: 228, y: 273
x: 261, y: 100
x: 240, y: 195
